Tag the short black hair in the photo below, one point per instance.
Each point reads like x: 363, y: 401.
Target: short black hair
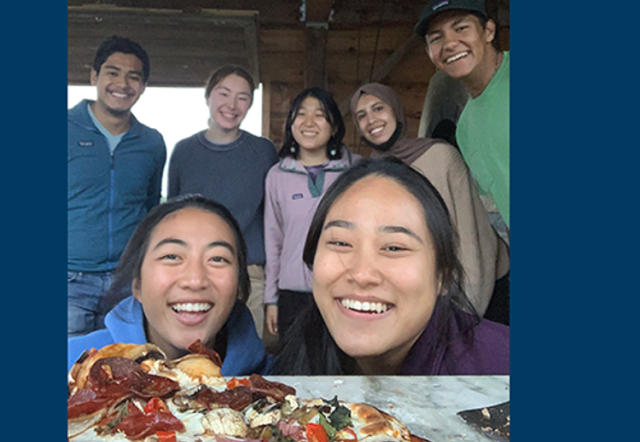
x: 121, y: 44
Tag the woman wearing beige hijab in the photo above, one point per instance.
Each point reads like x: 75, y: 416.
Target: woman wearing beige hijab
x: 379, y: 117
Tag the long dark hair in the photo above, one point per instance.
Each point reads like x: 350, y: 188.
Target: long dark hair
x: 130, y: 263
x: 334, y: 146
x: 309, y: 348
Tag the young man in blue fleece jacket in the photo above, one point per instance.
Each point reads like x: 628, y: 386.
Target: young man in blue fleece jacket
x: 115, y: 167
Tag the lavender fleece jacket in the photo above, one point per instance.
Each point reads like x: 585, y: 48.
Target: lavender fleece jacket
x: 291, y: 200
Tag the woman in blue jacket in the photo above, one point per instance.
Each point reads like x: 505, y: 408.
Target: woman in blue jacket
x: 186, y: 267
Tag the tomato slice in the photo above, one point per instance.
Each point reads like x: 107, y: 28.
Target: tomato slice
x: 234, y: 382
x: 166, y: 436
x: 156, y: 404
x: 352, y: 433
x: 316, y: 433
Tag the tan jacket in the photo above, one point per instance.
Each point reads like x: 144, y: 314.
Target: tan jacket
x: 483, y: 253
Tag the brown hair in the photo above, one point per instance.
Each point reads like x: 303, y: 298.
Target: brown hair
x: 217, y: 76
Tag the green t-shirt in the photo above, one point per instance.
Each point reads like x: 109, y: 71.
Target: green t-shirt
x: 483, y: 137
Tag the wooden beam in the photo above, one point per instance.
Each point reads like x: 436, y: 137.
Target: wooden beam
x: 384, y: 68
x: 266, y: 108
x: 315, y: 66
x: 317, y: 13
x: 318, y: 10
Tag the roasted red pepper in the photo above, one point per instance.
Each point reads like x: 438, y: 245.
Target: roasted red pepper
x: 316, y: 433
x: 234, y: 382
x: 166, y: 436
x: 156, y: 404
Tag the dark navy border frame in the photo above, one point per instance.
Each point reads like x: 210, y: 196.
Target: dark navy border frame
x: 574, y: 235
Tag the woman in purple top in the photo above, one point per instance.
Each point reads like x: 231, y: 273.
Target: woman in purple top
x: 387, y: 285
x: 312, y: 157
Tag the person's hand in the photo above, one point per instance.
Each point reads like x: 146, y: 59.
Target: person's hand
x: 271, y: 319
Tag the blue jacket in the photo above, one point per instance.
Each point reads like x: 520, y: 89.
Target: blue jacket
x: 245, y: 350
x: 108, y: 194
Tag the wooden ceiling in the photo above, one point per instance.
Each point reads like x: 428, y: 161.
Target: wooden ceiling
x: 183, y: 47
x: 187, y: 39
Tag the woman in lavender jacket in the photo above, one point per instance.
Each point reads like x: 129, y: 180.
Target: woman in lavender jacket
x: 312, y: 157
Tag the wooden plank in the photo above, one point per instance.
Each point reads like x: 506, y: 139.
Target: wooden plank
x: 318, y: 10
x: 266, y: 108
x: 386, y: 67
x: 182, y: 47
x: 315, y: 72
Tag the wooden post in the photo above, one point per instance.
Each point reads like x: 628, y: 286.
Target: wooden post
x: 315, y: 71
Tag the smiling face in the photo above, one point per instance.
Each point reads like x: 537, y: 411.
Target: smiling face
x: 229, y: 102
x: 311, y: 128
x: 188, y: 280
x: 119, y: 83
x: 458, y: 45
x: 376, y: 119
x: 374, y: 273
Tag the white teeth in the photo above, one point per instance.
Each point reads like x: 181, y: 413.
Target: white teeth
x: 457, y: 57
x: 191, y: 307
x: 376, y: 130
x: 119, y: 95
x: 377, y: 307
x: 308, y: 134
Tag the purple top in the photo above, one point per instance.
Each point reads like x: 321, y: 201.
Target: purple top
x: 487, y: 354
x: 314, y: 170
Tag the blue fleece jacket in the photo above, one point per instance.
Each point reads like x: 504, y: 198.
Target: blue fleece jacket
x: 245, y: 350
x: 108, y: 194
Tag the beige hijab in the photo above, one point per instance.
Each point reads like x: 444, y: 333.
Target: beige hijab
x: 407, y: 149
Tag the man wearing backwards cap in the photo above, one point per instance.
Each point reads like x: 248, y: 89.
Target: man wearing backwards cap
x: 461, y: 42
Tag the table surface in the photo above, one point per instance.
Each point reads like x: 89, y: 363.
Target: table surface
x: 427, y: 405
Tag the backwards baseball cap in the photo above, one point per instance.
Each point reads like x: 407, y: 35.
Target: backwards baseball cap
x: 435, y: 7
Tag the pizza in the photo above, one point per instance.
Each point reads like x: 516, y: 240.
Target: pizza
x: 129, y: 392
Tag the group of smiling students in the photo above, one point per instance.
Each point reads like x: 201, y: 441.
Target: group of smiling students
x: 384, y: 265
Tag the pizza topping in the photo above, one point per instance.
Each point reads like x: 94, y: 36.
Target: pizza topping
x: 116, y: 376
x: 236, y: 399
x: 276, y: 390
x: 155, y: 404
x: 226, y: 422
x: 267, y: 418
x: 111, y: 421
x: 199, y: 348
x: 340, y: 417
x: 86, y: 402
x: 234, y: 382
x: 316, y: 433
x: 166, y: 436
x: 139, y: 427
x: 347, y: 435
